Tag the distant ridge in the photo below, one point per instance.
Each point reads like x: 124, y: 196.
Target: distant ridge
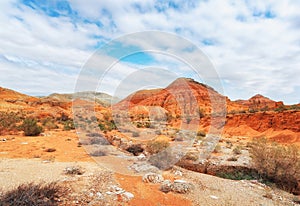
x: 101, y: 98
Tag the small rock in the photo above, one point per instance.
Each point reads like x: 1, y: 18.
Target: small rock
x: 99, y: 195
x: 178, y: 173
x: 115, y: 188
x: 109, y: 193
x: 296, y: 199
x: 91, y: 194
x: 152, y: 178
x: 166, y: 186
x: 182, y: 187
x: 141, y: 157
x: 214, y: 197
x: 142, y: 167
x: 269, y: 195
x: 179, y: 181
x: 127, y: 196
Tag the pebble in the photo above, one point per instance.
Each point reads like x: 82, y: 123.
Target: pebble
x: 141, y: 157
x: 214, y: 197
x: 127, y: 195
x: 178, y: 173
x: 153, y: 178
x: 179, y: 181
x: 99, y: 195
x: 109, y: 193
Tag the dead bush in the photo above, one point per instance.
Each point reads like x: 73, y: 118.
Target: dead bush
x: 166, y: 159
x: 49, y: 123
x: 156, y: 146
x: 73, y: 170
x: 41, y: 194
x: 194, y: 156
x: 237, y: 150
x: 9, y: 122
x: 98, y: 152
x: 277, y: 163
x: 135, y: 149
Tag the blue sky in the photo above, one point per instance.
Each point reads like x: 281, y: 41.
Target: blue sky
x: 254, y: 45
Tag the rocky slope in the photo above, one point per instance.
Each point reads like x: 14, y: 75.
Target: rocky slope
x: 185, y: 99
x: 99, y: 97
x: 51, y: 106
x: 260, y: 102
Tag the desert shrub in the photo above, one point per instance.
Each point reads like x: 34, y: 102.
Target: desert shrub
x: 201, y: 133
x: 163, y: 160
x: 295, y: 107
x: 98, y: 153
x: 135, y: 134
x: 237, y: 150
x: 229, y: 144
x: 49, y: 123
x: 281, y: 108
x: 90, y: 141
x: 93, y: 119
x: 69, y: 125
x: 30, y: 127
x: 102, y: 126
x: 139, y: 125
x: 111, y: 125
x: 94, y: 134
x: 158, y: 132
x: 8, y: 122
x: 253, y: 110
x: 41, y: 194
x: 98, y: 140
x: 63, y: 117
x: 191, y: 156
x: 73, y: 170
x: 232, y: 159
x: 147, y: 124
x: 135, y: 149
x: 156, y: 146
x: 239, y: 175
x: 107, y: 125
x: 217, y: 149
x: 276, y: 163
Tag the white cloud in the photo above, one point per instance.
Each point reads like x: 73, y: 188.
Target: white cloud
x: 254, y: 45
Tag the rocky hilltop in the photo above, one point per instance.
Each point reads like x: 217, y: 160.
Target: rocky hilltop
x: 185, y: 99
x: 260, y: 102
x: 180, y: 102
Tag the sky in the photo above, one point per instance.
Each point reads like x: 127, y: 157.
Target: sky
x: 254, y: 46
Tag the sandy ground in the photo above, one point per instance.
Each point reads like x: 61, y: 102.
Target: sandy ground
x: 64, y: 142
x: 24, y: 159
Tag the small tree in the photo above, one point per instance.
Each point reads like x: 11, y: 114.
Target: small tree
x: 30, y: 127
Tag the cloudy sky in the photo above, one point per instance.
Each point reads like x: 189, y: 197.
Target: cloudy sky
x: 254, y: 45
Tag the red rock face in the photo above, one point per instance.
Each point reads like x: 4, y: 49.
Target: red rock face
x: 262, y: 121
x: 183, y: 101
x: 260, y: 102
x: 283, y: 126
x: 185, y: 97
